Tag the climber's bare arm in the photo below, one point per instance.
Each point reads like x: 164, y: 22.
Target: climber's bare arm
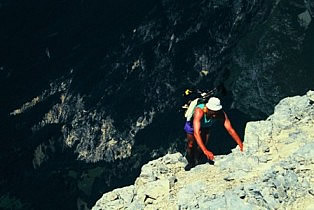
x: 232, y: 132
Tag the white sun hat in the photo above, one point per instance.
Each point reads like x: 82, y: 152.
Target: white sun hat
x: 214, y: 104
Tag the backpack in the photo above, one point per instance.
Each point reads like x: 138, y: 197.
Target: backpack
x: 198, y: 97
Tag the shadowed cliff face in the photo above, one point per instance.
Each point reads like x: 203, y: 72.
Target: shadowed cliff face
x: 91, y: 90
x: 275, y: 60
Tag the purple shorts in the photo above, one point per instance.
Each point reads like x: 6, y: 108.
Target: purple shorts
x: 188, y: 127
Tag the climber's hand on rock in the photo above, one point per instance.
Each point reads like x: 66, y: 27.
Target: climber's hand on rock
x: 209, y: 155
x: 241, y: 147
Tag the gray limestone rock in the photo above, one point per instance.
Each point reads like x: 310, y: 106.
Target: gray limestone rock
x: 156, y: 190
x: 238, y: 162
x: 216, y: 204
x: 188, y: 196
x: 289, y: 112
x: 117, y: 198
x: 257, y: 133
x: 135, y: 205
x: 236, y: 175
x: 310, y: 95
x: 161, y: 168
x: 262, y: 177
x: 307, y: 151
x: 234, y: 202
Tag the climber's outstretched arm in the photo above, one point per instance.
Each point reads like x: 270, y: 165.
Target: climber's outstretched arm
x: 232, y: 132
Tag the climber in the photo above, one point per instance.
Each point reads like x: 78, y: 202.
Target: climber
x: 198, y: 127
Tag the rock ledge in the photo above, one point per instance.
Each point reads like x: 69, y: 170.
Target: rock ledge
x: 274, y: 172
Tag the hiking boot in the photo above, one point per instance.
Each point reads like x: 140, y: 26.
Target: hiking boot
x: 211, y: 162
x: 189, y: 166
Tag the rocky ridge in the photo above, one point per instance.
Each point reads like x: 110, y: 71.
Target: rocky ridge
x: 274, y: 172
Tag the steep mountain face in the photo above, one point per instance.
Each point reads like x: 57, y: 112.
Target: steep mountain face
x: 91, y: 91
x: 275, y: 171
x: 275, y: 60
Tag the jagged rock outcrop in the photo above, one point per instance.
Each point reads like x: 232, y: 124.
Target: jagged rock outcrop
x: 276, y: 170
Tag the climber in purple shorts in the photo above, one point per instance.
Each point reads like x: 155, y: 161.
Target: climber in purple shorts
x: 197, y: 130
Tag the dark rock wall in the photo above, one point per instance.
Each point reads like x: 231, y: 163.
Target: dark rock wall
x: 275, y: 60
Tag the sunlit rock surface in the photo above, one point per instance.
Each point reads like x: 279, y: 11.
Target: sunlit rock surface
x: 276, y: 170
